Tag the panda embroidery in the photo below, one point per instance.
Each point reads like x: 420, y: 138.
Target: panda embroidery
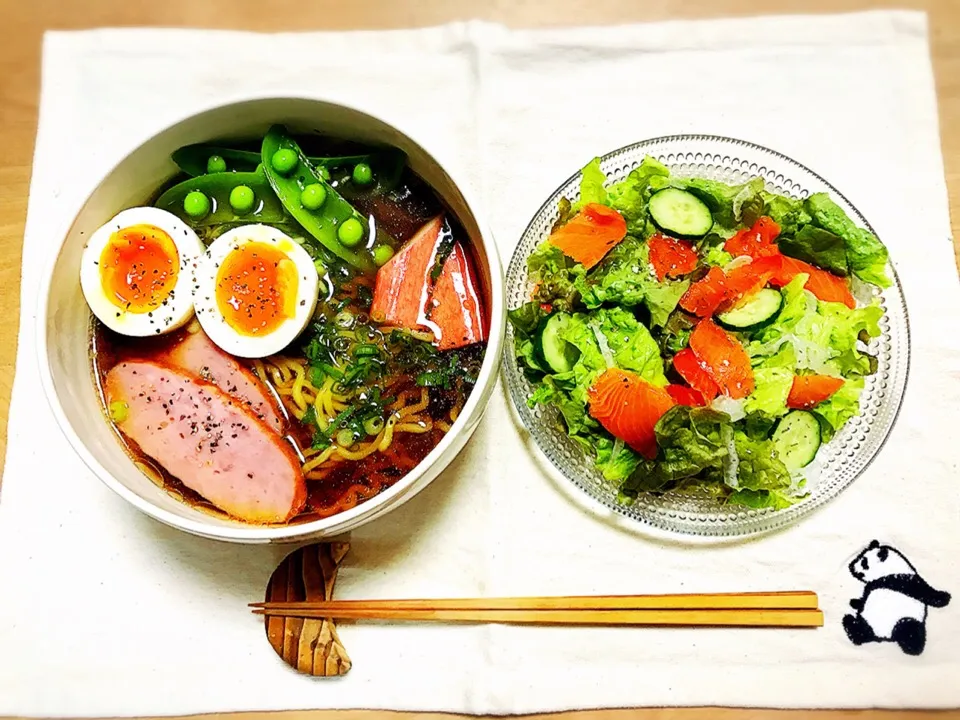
x: 893, y: 607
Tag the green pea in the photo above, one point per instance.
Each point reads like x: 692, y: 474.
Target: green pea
x: 362, y: 174
x: 241, y: 199
x: 323, y: 173
x: 216, y: 164
x: 284, y: 161
x: 313, y: 196
x: 350, y: 232
x: 196, y: 204
x: 381, y: 254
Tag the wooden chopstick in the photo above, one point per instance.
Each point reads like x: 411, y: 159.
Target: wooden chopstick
x: 771, y: 609
x: 690, y: 617
x: 800, y: 599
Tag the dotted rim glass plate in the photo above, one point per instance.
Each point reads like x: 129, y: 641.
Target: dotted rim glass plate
x: 838, y: 463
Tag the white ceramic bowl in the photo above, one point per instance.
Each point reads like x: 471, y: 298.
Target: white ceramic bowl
x: 63, y: 317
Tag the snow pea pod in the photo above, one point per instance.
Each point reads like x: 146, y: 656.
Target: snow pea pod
x: 217, y: 188
x: 192, y: 159
x: 331, y: 214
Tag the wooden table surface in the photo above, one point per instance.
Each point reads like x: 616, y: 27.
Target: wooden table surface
x: 23, y: 24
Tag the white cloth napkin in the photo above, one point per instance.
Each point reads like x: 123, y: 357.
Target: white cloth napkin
x: 105, y: 612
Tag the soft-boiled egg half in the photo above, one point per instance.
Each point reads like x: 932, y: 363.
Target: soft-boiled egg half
x: 135, y: 272
x: 255, y: 290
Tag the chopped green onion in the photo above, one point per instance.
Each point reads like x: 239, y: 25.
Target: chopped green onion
x: 346, y: 438
x: 366, y: 350
x: 119, y: 411
x: 373, y: 426
x: 433, y: 379
x: 332, y: 370
x: 344, y: 319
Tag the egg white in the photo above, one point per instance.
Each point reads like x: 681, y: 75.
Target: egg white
x: 205, y: 296
x: 177, y: 308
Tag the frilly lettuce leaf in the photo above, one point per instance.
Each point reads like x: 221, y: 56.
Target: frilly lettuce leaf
x: 759, y: 499
x: 690, y: 441
x: 629, y: 197
x: 788, y: 213
x: 772, y: 386
x: 526, y: 319
x: 713, y: 253
x: 727, y: 203
x: 818, y: 246
x: 555, y: 276
x: 823, y: 335
x: 842, y: 405
x: 866, y: 255
x: 632, y: 345
x: 592, y: 179
x: 626, y: 278
x: 759, y: 468
x: 627, y: 344
x: 614, y: 459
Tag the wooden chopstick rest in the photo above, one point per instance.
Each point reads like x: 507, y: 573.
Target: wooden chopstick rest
x: 308, y: 645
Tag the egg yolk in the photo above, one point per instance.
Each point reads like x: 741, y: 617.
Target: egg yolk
x: 256, y: 288
x: 139, y: 267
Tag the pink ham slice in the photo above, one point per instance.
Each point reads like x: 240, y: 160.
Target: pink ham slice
x: 209, y: 441
x: 197, y: 354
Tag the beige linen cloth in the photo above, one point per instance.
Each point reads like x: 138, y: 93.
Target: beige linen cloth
x: 105, y: 612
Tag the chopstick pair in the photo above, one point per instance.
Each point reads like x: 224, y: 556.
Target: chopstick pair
x: 773, y: 609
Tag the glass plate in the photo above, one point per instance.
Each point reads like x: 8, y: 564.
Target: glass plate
x: 838, y: 462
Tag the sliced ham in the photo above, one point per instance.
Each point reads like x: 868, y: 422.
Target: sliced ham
x: 208, y: 440
x: 197, y: 354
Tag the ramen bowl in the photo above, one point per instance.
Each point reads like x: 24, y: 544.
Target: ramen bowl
x: 64, y: 318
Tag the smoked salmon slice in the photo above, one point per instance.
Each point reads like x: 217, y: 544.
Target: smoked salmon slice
x: 745, y: 281
x: 590, y: 234
x: 723, y: 357
x: 823, y: 284
x: 683, y: 395
x: 704, y: 296
x: 810, y: 390
x: 755, y: 242
x: 692, y: 369
x: 628, y: 407
x: 671, y: 257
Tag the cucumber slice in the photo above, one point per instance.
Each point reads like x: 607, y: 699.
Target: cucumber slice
x: 559, y: 354
x: 756, y: 311
x: 797, y: 439
x: 680, y: 213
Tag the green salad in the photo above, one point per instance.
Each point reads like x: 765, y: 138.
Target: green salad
x: 695, y: 335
